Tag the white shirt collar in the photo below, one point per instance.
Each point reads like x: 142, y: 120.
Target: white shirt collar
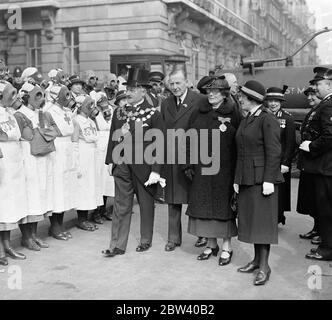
x: 183, y: 97
x: 252, y: 111
x: 138, y: 103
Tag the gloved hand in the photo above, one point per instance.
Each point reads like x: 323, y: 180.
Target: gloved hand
x: 236, y: 188
x: 305, y: 146
x: 268, y: 188
x: 110, y: 168
x: 284, y: 169
x: 189, y: 173
x: 153, y: 178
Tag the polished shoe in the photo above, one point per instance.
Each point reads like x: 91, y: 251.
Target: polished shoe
x: 170, y: 246
x: 316, y: 240
x: 225, y: 261
x: 205, y: 255
x: 112, y: 253
x: 97, y: 219
x: 3, y: 261
x: 86, y: 226
x: 309, y: 235
x: 201, y: 242
x: 68, y: 234
x: 262, y: 277
x: 313, y: 250
x: 30, y: 244
x: 315, y: 256
x: 40, y: 242
x: 248, y: 268
x: 143, y: 247
x: 108, y: 216
x: 14, y: 254
x: 58, y: 236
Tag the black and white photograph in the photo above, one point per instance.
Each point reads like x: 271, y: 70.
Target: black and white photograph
x: 165, y: 155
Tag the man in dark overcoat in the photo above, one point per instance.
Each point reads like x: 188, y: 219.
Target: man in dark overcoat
x: 176, y: 111
x: 317, y: 159
x: 133, y: 170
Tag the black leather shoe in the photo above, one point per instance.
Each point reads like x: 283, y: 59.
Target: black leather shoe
x: 316, y: 240
x: 97, y: 219
x: 40, y: 242
x: 143, y: 247
x: 58, y: 236
x: 68, y: 234
x: 309, y: 235
x: 262, y: 277
x: 313, y: 250
x: 315, y: 256
x: 112, y: 253
x: 14, y: 254
x: 225, y: 261
x: 30, y: 244
x: 170, y: 246
x: 248, y: 268
x: 3, y: 261
x: 201, y: 242
x: 211, y: 251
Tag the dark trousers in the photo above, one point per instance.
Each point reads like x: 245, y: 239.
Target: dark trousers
x: 126, y: 184
x: 322, y: 187
x: 174, y: 223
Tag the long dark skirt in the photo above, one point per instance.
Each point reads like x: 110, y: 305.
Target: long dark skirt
x: 257, y: 215
x: 284, y: 195
x: 212, y: 228
x: 306, y: 196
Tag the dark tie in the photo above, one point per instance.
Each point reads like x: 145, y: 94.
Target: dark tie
x: 178, y: 104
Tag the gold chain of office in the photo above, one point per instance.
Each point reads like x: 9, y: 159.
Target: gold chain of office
x: 137, y: 115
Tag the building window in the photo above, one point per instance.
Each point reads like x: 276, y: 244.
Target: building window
x: 34, y: 57
x: 71, y: 50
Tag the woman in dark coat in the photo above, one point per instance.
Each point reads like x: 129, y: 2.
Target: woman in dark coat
x: 209, y: 209
x: 274, y: 99
x: 256, y: 177
x: 305, y: 197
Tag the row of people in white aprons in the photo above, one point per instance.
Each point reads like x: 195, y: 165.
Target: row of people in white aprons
x: 53, y: 161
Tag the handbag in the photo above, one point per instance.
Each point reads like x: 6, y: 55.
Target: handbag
x: 234, y: 203
x: 39, y: 146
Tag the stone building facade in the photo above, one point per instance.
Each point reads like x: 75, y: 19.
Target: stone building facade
x: 109, y: 35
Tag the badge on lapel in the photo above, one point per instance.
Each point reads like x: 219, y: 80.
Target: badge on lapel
x: 282, y: 123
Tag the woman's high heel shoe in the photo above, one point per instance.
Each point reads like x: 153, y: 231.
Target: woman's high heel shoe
x: 208, y: 252
x: 225, y: 261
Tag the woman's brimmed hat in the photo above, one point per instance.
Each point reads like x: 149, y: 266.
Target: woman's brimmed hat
x: 276, y: 93
x: 254, y: 90
x: 119, y: 96
x: 217, y: 83
x: 309, y: 90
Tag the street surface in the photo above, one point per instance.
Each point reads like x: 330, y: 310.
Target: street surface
x: 76, y: 269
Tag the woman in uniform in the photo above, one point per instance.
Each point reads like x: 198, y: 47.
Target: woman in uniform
x: 274, y: 99
x: 85, y: 139
x: 65, y: 171
x: 13, y: 204
x: 38, y: 168
x: 256, y: 177
x: 209, y: 209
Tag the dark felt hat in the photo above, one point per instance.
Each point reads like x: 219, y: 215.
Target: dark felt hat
x: 201, y: 83
x: 276, y: 93
x: 217, y: 83
x: 309, y: 90
x: 254, y: 90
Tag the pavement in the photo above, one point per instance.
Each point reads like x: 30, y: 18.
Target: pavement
x: 76, y: 269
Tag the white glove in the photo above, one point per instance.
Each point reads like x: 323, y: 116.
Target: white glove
x: 268, y: 188
x: 305, y: 146
x: 110, y: 167
x: 236, y: 188
x: 284, y: 169
x: 153, y: 178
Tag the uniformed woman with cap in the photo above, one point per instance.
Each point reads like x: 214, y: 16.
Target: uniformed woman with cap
x: 38, y: 167
x: 257, y: 175
x: 85, y: 154
x: 13, y: 204
x: 209, y: 209
x: 305, y: 196
x: 65, y: 171
x: 274, y: 99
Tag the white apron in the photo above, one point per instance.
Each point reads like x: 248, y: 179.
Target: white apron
x: 87, y: 190
x: 65, y: 171
x: 39, y: 175
x: 13, y: 204
x: 106, y: 181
